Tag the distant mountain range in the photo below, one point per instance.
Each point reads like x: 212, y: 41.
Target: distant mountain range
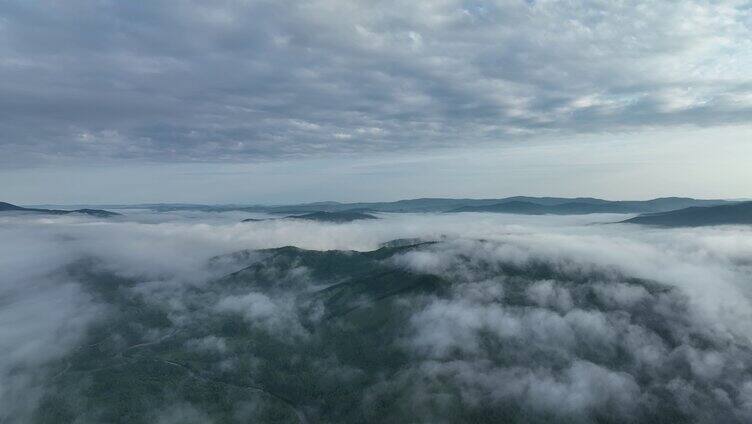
x: 8, y: 207
x: 344, y: 216
x: 587, y: 206
x: 338, y: 217
x: 665, y: 211
x: 517, y: 204
x: 569, y: 208
x: 738, y: 213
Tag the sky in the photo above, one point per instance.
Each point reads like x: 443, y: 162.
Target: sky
x: 285, y: 101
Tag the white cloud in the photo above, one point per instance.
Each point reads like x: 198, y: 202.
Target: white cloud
x: 551, y: 313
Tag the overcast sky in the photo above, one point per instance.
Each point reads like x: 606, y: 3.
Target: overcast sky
x: 282, y: 101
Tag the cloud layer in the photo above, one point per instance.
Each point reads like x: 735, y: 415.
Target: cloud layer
x: 543, y: 331
x: 541, y: 318
x: 188, y: 81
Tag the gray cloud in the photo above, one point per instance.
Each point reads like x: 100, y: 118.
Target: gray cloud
x: 186, y: 81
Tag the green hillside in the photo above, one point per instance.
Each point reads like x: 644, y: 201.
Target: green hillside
x: 294, y: 335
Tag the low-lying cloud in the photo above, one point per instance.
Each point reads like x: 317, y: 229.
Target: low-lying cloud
x: 543, y: 318
x: 606, y: 340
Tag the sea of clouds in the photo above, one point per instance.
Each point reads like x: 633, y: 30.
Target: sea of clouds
x: 593, y: 343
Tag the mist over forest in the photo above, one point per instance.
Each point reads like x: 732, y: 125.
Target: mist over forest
x: 197, y: 317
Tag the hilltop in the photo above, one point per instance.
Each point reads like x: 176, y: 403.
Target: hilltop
x: 9, y: 207
x: 740, y: 213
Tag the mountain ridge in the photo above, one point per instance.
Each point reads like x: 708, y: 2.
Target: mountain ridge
x: 442, y: 205
x: 9, y: 207
x: 696, y: 216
